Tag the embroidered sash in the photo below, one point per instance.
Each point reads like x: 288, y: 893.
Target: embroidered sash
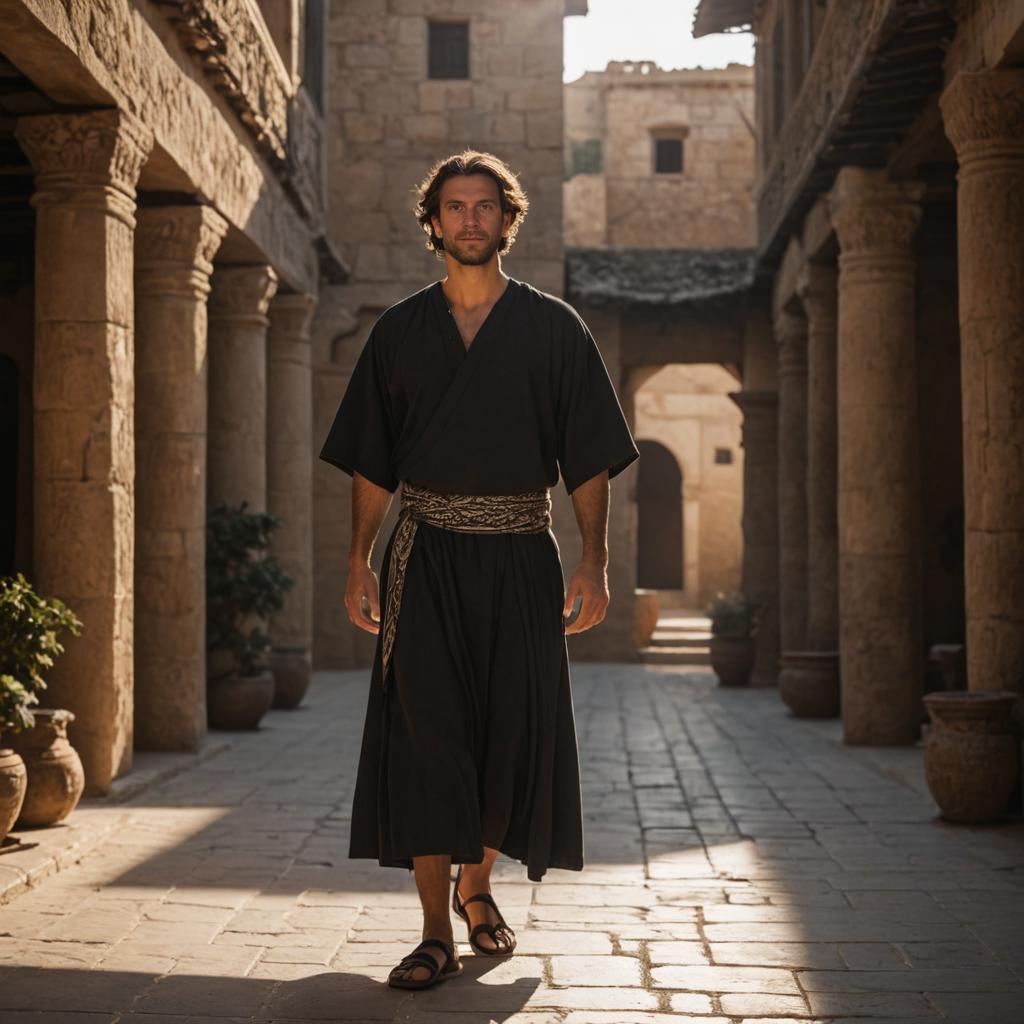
x: 529, y: 512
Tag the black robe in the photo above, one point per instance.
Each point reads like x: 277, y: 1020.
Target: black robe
x: 472, y: 743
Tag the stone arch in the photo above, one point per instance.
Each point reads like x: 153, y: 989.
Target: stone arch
x: 660, y: 518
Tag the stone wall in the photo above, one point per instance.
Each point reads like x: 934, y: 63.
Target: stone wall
x: 708, y: 205
x: 388, y: 124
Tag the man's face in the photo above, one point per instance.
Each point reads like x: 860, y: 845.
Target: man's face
x: 471, y: 223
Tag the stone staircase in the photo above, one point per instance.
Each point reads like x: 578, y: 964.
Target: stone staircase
x: 680, y: 638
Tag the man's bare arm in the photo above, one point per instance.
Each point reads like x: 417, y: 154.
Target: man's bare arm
x: 370, y: 505
x: 590, y: 580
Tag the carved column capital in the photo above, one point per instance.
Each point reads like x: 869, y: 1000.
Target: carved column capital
x: 791, y: 339
x: 291, y: 315
x: 818, y: 289
x: 73, y: 155
x: 175, y: 246
x: 242, y: 293
x: 983, y: 112
x: 875, y: 220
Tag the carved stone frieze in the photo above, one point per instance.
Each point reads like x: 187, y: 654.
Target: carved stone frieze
x: 231, y: 41
x: 105, y: 148
x: 307, y: 157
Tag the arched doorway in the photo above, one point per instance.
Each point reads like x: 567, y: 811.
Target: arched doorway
x: 659, y: 496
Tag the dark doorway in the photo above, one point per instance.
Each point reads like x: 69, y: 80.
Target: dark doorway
x: 659, y: 496
x: 9, y: 414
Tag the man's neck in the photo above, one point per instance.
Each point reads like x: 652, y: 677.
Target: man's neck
x: 469, y: 288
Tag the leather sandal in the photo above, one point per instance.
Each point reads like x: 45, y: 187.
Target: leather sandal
x: 400, y: 976
x: 500, y: 934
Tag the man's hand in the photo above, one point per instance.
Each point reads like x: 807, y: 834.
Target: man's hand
x: 362, y: 582
x: 589, y: 581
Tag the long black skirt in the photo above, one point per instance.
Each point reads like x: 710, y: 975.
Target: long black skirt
x: 472, y: 743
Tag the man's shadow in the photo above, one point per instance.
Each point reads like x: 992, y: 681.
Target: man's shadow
x: 329, y: 995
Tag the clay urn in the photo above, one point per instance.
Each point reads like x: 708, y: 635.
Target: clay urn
x: 733, y: 658
x: 971, y: 754
x: 13, y: 781
x: 55, y: 775
x: 809, y: 683
x: 645, y: 616
x: 238, y: 701
x: 292, y: 671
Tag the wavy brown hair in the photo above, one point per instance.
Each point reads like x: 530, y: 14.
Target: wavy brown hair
x: 513, y: 198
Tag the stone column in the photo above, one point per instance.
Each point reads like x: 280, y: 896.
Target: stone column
x: 86, y: 168
x: 879, y: 516
x: 175, y: 246
x: 237, y: 443
x: 984, y: 117
x: 791, y: 338
x: 290, y: 462
x: 761, y: 523
x: 819, y: 294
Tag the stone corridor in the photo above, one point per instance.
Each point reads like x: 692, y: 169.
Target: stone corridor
x: 742, y: 866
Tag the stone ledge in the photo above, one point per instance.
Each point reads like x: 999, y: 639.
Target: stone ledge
x: 28, y: 856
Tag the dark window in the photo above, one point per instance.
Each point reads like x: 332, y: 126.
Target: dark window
x: 448, y: 50
x: 668, y: 156
x: 723, y: 456
x: 313, y: 52
x: 585, y: 157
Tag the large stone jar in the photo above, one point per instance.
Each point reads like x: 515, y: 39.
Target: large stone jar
x: 55, y: 775
x: 13, y: 780
x: 733, y: 658
x: 292, y: 671
x: 238, y: 702
x: 809, y: 683
x: 971, y: 754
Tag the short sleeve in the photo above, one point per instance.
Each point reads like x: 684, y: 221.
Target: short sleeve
x: 362, y: 437
x: 592, y: 431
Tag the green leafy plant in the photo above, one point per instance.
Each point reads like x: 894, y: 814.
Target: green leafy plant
x: 242, y: 584
x: 733, y: 617
x: 29, y: 628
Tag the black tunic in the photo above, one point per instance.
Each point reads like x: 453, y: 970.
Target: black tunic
x: 472, y: 743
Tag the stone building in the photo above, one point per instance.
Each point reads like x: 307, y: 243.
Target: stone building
x: 162, y: 241
x: 660, y: 159
x: 890, y: 233
x: 416, y: 80
x: 664, y: 160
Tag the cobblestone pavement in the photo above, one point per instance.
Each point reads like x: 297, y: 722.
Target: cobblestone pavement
x: 741, y: 866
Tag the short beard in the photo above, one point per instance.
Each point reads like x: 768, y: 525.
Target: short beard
x: 477, y: 259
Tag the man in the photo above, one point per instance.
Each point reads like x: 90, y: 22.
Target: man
x: 473, y: 393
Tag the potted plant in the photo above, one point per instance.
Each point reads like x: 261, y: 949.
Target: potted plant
x: 29, y: 630
x: 733, y: 629
x: 243, y: 587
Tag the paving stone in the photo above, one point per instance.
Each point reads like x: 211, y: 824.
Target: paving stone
x: 747, y: 1004
x: 726, y: 979
x: 595, y: 970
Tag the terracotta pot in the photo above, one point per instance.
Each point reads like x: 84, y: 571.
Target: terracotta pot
x: 733, y: 659
x: 809, y: 683
x: 645, y: 616
x: 292, y: 671
x: 971, y: 754
x: 239, y: 702
x: 55, y: 775
x: 13, y: 780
